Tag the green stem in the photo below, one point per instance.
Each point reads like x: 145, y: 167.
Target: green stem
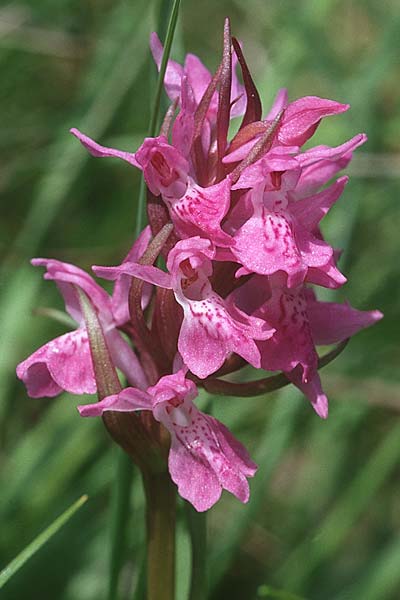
x: 155, y: 113
x: 119, y: 511
x: 197, y: 523
x: 160, y: 523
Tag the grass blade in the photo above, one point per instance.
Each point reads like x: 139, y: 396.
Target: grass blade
x: 39, y: 541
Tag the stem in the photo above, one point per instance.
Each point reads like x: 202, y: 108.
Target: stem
x: 160, y: 523
x: 197, y: 523
x: 119, y: 511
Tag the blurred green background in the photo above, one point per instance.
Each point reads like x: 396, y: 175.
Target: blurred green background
x: 324, y: 519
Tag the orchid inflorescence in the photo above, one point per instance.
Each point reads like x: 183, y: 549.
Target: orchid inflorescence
x: 236, y: 219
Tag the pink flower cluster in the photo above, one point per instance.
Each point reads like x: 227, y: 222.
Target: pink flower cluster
x: 242, y: 262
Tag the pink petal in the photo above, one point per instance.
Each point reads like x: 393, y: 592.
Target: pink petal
x: 201, y: 210
x: 310, y: 211
x: 331, y: 322
x: 64, y: 363
x: 198, y: 75
x: 312, y: 389
x: 101, y: 151
x: 145, y: 272
x: 209, y: 333
x: 66, y: 275
x: 292, y: 343
x: 281, y: 100
x: 204, y: 459
x: 266, y: 244
x: 174, y: 72
x: 301, y: 118
x: 164, y: 167
x: 125, y: 359
x: 129, y: 400
x: 119, y: 300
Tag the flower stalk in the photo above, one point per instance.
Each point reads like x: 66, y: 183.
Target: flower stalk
x: 160, y: 495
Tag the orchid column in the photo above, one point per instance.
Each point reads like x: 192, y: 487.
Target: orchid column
x: 236, y: 220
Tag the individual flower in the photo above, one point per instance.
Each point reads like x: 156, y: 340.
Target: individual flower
x: 301, y: 322
x: 204, y: 457
x: 65, y: 363
x: 212, y: 327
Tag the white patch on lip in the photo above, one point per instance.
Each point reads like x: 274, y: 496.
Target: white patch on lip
x: 180, y: 417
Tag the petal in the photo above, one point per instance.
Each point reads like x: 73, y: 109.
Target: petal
x: 205, y: 458
x: 331, y: 322
x: 301, y: 118
x: 209, y: 333
x: 198, y: 76
x: 292, y: 343
x: 125, y: 359
x: 66, y: 276
x: 145, y: 272
x: 119, y: 300
x: 281, y: 100
x: 101, y: 151
x: 310, y: 211
x: 174, y: 72
x: 201, y: 210
x: 266, y: 244
x: 196, y: 481
x: 128, y: 400
x: 65, y: 363
x: 312, y: 389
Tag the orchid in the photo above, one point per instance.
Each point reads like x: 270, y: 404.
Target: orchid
x: 204, y: 457
x: 237, y: 219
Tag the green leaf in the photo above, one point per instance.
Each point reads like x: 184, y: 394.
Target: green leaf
x: 39, y: 541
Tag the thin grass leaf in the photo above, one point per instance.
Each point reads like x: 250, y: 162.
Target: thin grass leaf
x: 155, y: 113
x: 39, y: 541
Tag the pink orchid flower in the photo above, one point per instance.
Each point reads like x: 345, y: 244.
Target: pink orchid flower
x: 301, y: 322
x: 279, y: 236
x: 212, y: 327
x: 65, y: 363
x: 204, y: 457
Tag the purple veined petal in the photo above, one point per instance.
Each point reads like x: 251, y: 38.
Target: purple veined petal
x: 312, y: 389
x: 292, y: 343
x: 145, y: 272
x: 119, y: 300
x: 266, y: 244
x: 129, y: 400
x: 310, y: 211
x: 204, y: 457
x: 302, y: 117
x: 331, y: 322
x: 64, y: 363
x: 66, y: 276
x: 197, y: 483
x: 201, y: 210
x: 280, y: 102
x: 125, y: 359
x: 174, y: 71
x: 209, y: 333
x: 101, y: 151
